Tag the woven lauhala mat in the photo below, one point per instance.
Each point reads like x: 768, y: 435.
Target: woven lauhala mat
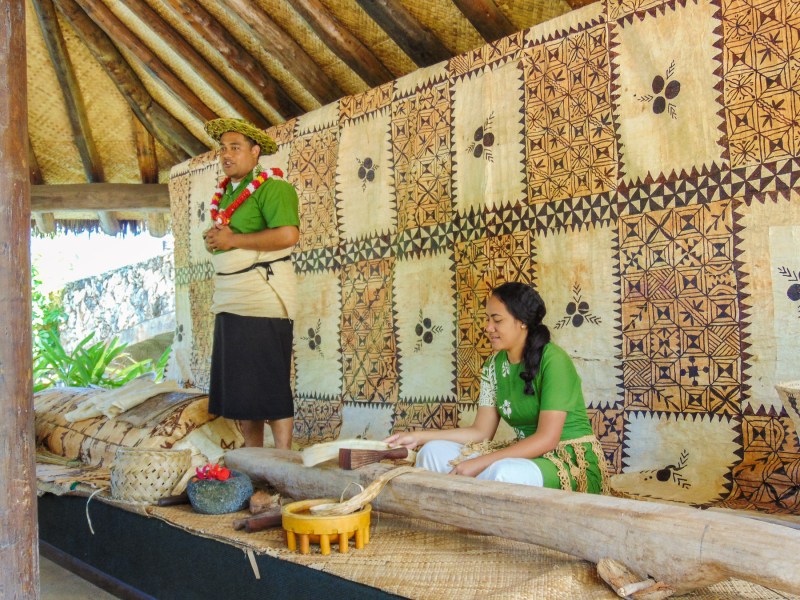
x: 424, y: 560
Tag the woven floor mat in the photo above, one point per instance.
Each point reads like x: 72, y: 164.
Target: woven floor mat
x: 424, y: 560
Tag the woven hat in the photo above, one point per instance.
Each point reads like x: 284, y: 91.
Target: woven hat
x: 216, y: 127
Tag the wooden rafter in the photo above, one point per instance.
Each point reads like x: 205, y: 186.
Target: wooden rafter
x: 170, y: 133
x: 486, y: 17
x: 76, y: 110
x: 124, y: 37
x: 145, y: 153
x: 287, y: 51
x: 208, y: 74
x: 33, y: 166
x: 343, y: 43
x: 418, y: 42
x: 157, y: 222
x: 236, y: 56
x: 45, y: 221
x: 91, y: 197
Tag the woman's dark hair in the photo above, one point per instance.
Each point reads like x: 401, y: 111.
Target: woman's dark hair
x: 527, y: 306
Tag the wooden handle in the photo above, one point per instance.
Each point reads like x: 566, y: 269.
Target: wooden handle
x: 396, y: 453
x: 264, y: 520
x: 173, y: 500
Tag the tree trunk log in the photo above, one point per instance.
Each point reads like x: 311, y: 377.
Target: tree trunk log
x: 19, y: 545
x: 682, y: 547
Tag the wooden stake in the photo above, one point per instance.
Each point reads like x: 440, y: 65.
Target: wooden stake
x: 19, y: 544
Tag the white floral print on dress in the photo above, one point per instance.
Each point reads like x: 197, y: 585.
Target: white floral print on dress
x: 506, y: 368
x: 506, y: 408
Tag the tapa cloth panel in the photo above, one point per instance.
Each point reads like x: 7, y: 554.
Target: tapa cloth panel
x: 636, y: 161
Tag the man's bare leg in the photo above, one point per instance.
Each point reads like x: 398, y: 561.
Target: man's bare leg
x: 253, y: 432
x: 282, y: 432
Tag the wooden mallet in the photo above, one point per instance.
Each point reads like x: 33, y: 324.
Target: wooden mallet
x: 353, y: 458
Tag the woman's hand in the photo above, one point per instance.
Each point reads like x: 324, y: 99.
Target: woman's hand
x: 472, y: 467
x: 406, y: 439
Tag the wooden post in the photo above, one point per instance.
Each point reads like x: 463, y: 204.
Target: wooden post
x: 19, y: 546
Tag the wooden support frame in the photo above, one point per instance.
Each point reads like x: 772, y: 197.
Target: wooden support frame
x: 117, y: 31
x: 208, y: 73
x: 170, y: 132
x: 342, y: 43
x: 19, y: 546
x: 94, y: 197
x: 76, y: 110
x: 236, y: 56
x: 487, y: 18
x: 287, y: 51
x: 418, y: 42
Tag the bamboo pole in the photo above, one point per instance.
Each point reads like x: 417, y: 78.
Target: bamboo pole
x: 681, y: 547
x: 19, y: 550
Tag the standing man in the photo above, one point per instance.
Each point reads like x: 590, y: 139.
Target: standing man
x: 255, y: 223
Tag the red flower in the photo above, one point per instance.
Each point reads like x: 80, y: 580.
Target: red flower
x: 215, y: 471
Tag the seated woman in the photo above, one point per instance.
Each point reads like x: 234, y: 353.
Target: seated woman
x: 531, y: 384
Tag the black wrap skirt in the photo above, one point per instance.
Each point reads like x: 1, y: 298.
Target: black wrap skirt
x: 251, y: 368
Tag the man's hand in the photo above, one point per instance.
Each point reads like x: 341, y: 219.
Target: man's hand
x: 219, y: 237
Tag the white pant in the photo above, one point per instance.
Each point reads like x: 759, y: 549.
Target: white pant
x: 436, y: 456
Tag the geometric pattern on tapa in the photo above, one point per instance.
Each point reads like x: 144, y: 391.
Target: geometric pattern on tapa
x: 371, y: 248
x: 424, y: 240
x: 680, y: 320
x: 608, y: 424
x: 568, y: 214
x: 317, y: 260
x: 738, y: 269
x: 356, y: 107
x: 619, y: 9
x: 312, y: 171
x: 480, y: 266
x: 196, y: 272
x: 668, y: 99
x: 767, y: 477
x: 490, y: 54
x: 755, y: 182
x: 760, y: 49
x: 421, y: 146
x: 316, y: 419
x: 570, y: 143
x: 369, y: 348
x: 425, y: 416
x: 317, y: 120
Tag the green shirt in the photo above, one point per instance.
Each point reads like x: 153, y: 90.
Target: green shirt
x: 557, y: 386
x: 274, y: 204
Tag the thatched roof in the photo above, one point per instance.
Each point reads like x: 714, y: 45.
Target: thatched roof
x: 118, y: 91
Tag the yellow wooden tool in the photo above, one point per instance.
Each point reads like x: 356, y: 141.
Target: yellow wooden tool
x: 300, y: 524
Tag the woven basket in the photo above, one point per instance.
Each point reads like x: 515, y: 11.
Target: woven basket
x: 143, y: 475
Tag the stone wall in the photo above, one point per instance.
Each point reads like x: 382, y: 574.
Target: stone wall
x: 134, y: 303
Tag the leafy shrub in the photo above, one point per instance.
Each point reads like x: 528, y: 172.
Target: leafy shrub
x: 101, y: 364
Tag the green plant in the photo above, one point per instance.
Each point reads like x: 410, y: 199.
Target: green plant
x: 102, y: 364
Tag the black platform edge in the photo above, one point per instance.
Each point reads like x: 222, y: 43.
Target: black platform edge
x: 94, y: 576
x: 148, y: 558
